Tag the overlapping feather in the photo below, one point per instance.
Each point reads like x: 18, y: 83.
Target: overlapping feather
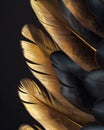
x: 75, y: 47
x: 42, y: 69
x: 84, y: 16
x: 35, y: 101
x: 48, y: 104
x: 85, y: 33
x: 36, y: 35
x: 71, y: 77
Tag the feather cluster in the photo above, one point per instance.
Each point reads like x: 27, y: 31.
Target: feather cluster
x: 61, y: 62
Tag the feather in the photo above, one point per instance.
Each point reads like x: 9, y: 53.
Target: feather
x: 42, y: 69
x: 88, y: 35
x: 84, y: 16
x: 61, y: 61
x: 36, y: 35
x: 69, y: 21
x: 75, y: 48
x: 30, y: 92
x: 71, y: 77
x: 60, y: 16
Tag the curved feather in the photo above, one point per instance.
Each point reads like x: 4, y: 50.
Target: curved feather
x: 81, y: 53
x: 66, y: 17
x: 84, y: 16
x: 39, y: 110
x: 70, y: 22
x: 42, y: 69
x: 71, y: 77
x: 36, y: 35
x: 59, y: 14
x: 85, y: 33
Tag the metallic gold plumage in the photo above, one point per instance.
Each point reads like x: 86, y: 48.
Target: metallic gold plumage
x: 39, y: 108
x: 73, y: 46
x: 44, y: 101
x: 36, y: 35
x: 42, y: 69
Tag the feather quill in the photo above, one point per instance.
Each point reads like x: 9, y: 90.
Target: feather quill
x: 82, y: 54
x: 42, y: 69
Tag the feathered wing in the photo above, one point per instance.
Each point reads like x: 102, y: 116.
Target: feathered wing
x: 42, y: 69
x: 79, y: 51
x: 44, y: 100
x: 31, y: 95
x: 83, y: 15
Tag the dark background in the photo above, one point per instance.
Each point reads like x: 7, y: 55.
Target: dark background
x: 16, y: 13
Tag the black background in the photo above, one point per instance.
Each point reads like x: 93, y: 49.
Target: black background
x: 16, y: 13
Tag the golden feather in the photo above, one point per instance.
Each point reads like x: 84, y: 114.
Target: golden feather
x: 42, y: 69
x: 83, y: 54
x: 36, y: 35
x: 31, y: 98
x: 44, y: 101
